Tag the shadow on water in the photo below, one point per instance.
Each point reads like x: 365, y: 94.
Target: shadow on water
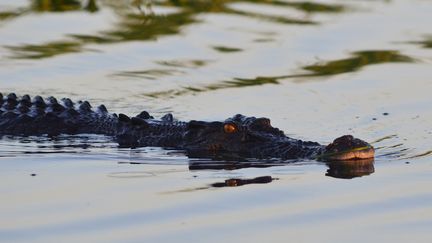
x: 354, y: 63
x: 134, y: 24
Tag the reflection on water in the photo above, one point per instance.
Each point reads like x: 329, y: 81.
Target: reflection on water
x: 425, y: 154
x: 44, y: 51
x: 149, y: 74
x: 426, y: 43
x: 218, y: 164
x: 175, y: 67
x: 234, y: 182
x: 226, y: 49
x: 354, y: 63
x: 104, y: 147
x: 147, y: 25
x: 14, y: 146
x: 9, y: 15
x: 57, y: 5
x: 350, y: 169
x: 336, y: 169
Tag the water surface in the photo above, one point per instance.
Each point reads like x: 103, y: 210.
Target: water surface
x: 318, y: 69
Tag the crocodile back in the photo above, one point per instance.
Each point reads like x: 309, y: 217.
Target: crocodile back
x: 38, y: 116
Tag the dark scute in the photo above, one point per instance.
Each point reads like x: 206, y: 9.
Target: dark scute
x: 38, y: 101
x: 168, y: 117
x: 238, y: 117
x: 138, y: 122
x: 102, y: 109
x: 144, y: 115
x: 123, y: 118
x: 1, y: 97
x: 26, y: 99
x: 87, y: 103
x: 68, y: 102
x: 12, y: 96
x: 85, y: 106
x: 38, y: 98
x: 52, y: 100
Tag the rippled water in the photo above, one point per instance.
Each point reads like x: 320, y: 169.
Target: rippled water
x: 318, y: 69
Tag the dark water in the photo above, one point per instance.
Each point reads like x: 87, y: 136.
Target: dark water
x: 318, y: 69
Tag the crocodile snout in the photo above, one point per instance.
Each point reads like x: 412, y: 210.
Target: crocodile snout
x: 348, y: 148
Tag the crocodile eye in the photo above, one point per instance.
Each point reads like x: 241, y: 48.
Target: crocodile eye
x: 230, y: 128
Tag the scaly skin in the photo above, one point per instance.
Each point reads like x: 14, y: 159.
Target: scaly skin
x: 236, y: 137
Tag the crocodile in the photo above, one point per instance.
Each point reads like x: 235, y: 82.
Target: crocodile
x: 238, y: 136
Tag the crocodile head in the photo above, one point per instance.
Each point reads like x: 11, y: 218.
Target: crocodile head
x: 251, y: 137
x: 248, y: 137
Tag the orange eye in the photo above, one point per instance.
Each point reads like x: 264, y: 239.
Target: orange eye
x: 230, y: 128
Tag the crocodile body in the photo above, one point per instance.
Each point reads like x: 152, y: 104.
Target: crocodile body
x: 239, y: 136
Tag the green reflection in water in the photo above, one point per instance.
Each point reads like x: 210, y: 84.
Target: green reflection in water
x: 311, y: 7
x: 151, y: 74
x: 346, y: 65
x: 184, y: 63
x: 175, y: 67
x: 44, y: 51
x: 133, y: 26
x: 426, y: 43
x: 220, y: 5
x: 226, y: 49
x: 270, y: 18
x: 55, y: 5
x: 9, y: 15
x: 357, y: 61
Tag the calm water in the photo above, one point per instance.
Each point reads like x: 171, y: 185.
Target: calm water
x: 318, y: 69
